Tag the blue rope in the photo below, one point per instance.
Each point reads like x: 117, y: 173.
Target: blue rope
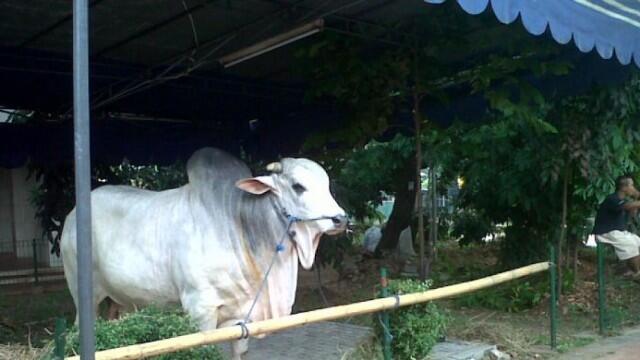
x: 279, y: 248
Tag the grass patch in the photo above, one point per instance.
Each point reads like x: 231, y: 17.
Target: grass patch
x: 371, y: 350
x: 567, y: 344
x: 29, y: 319
x: 22, y: 352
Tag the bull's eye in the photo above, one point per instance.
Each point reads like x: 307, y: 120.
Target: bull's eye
x: 299, y: 188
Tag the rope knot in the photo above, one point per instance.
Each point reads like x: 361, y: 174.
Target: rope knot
x: 245, y: 329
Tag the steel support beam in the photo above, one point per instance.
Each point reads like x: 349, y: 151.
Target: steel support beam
x: 154, y: 27
x: 50, y: 28
x: 81, y: 122
x: 236, y: 30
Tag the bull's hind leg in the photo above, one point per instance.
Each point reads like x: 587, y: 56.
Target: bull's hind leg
x: 70, y: 276
x: 98, y: 296
x: 113, y: 309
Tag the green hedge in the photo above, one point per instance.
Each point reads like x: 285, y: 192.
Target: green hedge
x: 148, y: 324
x: 417, y: 328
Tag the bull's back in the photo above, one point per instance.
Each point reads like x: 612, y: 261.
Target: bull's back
x: 108, y: 204
x: 131, y: 255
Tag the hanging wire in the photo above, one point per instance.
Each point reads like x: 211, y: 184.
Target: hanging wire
x: 193, y: 25
x: 163, y: 77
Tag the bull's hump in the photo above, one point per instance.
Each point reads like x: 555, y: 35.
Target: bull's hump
x: 110, y: 190
x: 213, y: 166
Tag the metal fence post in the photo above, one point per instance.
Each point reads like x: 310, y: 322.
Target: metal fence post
x: 34, y: 247
x: 60, y: 334
x: 386, y: 331
x: 553, y: 299
x: 602, y: 292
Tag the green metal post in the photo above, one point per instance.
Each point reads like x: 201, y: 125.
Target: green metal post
x: 59, y: 336
x: 553, y: 298
x: 602, y: 293
x: 386, y: 339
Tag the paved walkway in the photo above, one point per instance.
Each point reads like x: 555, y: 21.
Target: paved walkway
x: 331, y: 340
x: 623, y: 347
x: 319, y: 341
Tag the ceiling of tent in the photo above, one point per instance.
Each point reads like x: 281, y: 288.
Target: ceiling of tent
x: 154, y: 32
x: 132, y: 42
x: 129, y: 38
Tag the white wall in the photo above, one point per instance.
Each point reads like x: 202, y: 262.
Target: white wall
x: 14, y: 183
x: 27, y: 227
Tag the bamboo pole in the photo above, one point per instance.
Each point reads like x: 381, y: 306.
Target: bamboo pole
x: 272, y: 325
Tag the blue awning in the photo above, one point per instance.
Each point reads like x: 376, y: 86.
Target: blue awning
x: 611, y: 26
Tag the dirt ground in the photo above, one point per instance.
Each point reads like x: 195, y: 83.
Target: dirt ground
x: 625, y: 346
x: 525, y: 334
x: 27, y: 320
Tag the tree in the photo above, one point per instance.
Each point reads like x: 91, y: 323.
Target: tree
x: 372, y: 84
x: 543, y: 169
x: 597, y: 142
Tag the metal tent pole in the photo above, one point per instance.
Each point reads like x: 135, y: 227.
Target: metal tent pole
x: 82, y: 153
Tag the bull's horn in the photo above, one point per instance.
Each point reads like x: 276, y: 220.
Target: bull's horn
x: 274, y: 167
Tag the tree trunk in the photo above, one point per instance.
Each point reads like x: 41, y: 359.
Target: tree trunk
x: 574, y: 256
x: 402, y: 210
x: 433, y: 223
x: 417, y: 119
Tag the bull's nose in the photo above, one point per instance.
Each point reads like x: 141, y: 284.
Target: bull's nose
x: 340, y: 221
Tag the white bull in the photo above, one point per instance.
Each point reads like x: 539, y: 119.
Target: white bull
x: 208, y: 244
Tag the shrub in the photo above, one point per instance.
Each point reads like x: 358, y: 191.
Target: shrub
x: 417, y: 328
x: 516, y: 296
x: 148, y: 324
x: 471, y: 227
x: 511, y: 297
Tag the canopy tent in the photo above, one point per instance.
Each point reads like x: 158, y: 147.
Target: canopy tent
x: 269, y: 125
x: 145, y: 38
x: 608, y: 25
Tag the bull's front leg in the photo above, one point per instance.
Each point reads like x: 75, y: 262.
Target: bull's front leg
x: 202, y: 307
x: 239, y: 348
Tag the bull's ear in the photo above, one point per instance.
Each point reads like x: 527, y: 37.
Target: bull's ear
x: 257, y: 185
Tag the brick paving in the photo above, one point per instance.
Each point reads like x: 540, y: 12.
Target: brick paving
x: 319, y: 341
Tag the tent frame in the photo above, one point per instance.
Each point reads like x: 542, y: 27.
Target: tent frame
x: 82, y: 157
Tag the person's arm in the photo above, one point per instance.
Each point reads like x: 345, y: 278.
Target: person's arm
x: 631, y: 205
x: 636, y: 193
